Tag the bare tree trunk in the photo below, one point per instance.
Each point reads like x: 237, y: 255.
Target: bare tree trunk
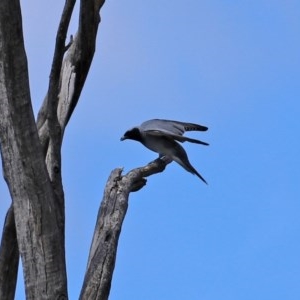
x: 40, y: 242
x: 33, y: 173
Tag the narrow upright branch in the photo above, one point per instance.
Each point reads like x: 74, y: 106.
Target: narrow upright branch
x: 59, y: 51
x: 9, y: 258
x: 55, y: 139
x: 75, y: 67
x: 101, y: 262
x: 49, y: 107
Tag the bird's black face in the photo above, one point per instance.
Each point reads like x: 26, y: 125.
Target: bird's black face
x: 132, y: 134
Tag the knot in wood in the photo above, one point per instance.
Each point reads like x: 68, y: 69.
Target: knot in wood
x: 56, y: 169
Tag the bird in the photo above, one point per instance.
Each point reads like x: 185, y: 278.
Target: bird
x: 162, y: 136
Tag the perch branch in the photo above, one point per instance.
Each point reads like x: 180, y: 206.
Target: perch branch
x: 110, y: 218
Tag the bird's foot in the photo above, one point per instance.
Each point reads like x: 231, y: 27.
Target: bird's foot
x: 165, y: 158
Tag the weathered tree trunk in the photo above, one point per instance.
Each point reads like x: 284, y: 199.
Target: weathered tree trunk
x: 39, y: 234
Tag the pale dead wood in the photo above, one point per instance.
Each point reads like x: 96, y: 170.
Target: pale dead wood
x: 102, y: 257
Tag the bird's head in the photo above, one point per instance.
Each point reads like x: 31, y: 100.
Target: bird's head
x: 132, y: 134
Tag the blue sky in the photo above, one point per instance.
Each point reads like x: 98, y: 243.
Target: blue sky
x: 233, y: 66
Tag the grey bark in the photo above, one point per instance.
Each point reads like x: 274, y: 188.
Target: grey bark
x: 33, y: 173
x: 40, y: 242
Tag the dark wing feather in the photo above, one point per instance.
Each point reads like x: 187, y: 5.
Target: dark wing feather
x: 176, y: 137
x: 171, y: 127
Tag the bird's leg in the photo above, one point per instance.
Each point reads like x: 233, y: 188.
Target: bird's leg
x: 165, y: 158
x: 162, y: 159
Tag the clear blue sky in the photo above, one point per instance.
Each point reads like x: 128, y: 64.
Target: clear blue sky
x: 231, y: 65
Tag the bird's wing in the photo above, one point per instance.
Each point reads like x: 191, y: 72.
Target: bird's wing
x: 171, y: 127
x: 179, y: 138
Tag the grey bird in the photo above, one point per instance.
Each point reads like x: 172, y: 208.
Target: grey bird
x: 161, y: 136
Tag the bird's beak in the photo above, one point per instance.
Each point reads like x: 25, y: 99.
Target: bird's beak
x: 123, y: 138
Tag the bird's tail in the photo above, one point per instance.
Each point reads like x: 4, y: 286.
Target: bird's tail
x: 193, y: 127
x: 196, y: 173
x: 187, y: 166
x: 182, y: 139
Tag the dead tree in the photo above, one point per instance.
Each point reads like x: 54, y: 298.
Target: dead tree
x: 34, y: 228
